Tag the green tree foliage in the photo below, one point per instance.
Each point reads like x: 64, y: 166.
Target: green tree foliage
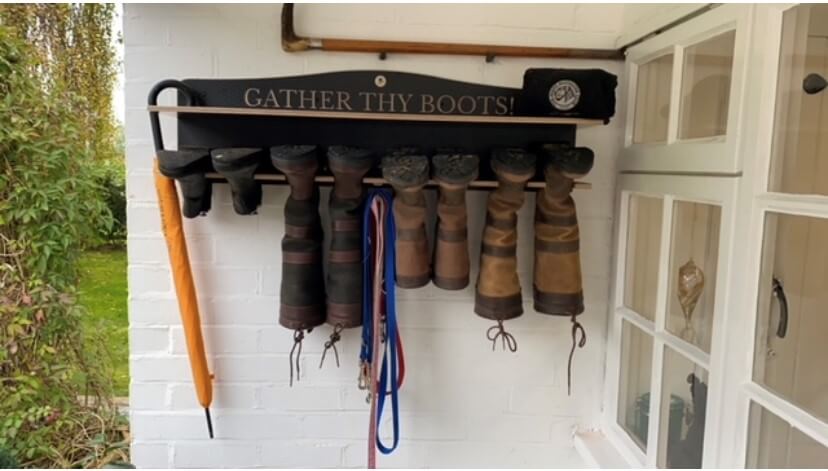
x: 54, y: 380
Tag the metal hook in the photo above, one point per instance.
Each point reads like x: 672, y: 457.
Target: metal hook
x: 189, y: 97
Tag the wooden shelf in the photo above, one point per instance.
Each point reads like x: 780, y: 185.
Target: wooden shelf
x: 328, y: 180
x: 517, y: 120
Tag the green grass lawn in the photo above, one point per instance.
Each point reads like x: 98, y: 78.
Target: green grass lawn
x: 103, y: 291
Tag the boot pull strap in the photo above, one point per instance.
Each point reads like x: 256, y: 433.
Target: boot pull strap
x: 298, y: 336
x: 507, y: 339
x: 331, y: 344
x: 576, y: 328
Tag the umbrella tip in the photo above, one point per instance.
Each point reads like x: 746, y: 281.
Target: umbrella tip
x: 209, y: 422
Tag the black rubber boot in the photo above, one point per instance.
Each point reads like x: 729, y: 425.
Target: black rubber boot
x: 238, y: 165
x: 189, y: 168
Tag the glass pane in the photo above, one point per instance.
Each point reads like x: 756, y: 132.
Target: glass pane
x: 634, y: 389
x: 652, y: 100
x: 773, y: 443
x: 791, y: 347
x: 801, y: 131
x: 694, y: 253
x: 643, y: 242
x: 705, y: 87
x: 681, y: 437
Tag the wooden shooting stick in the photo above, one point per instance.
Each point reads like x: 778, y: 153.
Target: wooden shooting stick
x: 291, y: 42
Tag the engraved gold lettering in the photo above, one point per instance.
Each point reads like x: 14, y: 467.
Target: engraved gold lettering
x: 343, y: 101
x: 252, y: 97
x: 307, y: 97
x: 386, y: 99
x: 288, y: 92
x: 501, y: 105
x: 404, y: 100
x: 486, y: 100
x: 470, y: 104
x: 367, y: 99
x: 326, y: 98
x: 426, y: 103
x: 446, y: 104
x: 271, y: 101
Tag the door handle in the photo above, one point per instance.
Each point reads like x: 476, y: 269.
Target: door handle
x: 779, y: 294
x: 814, y: 83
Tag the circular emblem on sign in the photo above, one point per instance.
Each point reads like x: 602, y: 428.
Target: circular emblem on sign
x: 380, y: 81
x: 564, y: 95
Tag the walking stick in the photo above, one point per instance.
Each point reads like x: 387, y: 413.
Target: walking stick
x: 179, y: 260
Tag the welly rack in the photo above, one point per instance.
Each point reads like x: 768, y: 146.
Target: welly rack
x: 380, y: 110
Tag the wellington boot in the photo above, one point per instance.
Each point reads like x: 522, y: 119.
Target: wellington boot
x: 302, y: 293
x: 557, y: 282
x: 238, y: 165
x: 189, y: 168
x: 452, y: 172
x: 498, y: 294
x: 348, y: 165
x: 408, y: 174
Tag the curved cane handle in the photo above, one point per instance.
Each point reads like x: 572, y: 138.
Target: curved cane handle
x: 152, y: 100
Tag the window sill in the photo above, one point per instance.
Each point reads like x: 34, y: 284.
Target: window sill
x: 598, y: 452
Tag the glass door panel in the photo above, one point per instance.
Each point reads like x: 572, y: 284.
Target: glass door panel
x: 694, y: 255
x: 634, y: 385
x: 683, y: 411
x: 799, y: 163
x: 643, y: 242
x: 652, y: 100
x: 773, y: 443
x: 705, y: 87
x: 791, y: 347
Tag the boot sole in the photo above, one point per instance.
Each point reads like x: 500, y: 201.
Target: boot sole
x: 405, y: 171
x: 355, y: 159
x: 456, y: 169
x: 516, y: 162
x: 294, y: 157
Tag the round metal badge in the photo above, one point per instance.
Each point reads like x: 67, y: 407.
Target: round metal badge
x: 564, y: 95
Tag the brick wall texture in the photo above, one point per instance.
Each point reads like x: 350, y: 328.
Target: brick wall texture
x: 462, y: 405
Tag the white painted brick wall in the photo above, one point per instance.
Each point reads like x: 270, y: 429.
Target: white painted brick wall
x: 462, y: 405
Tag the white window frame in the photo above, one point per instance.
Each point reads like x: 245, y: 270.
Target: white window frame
x: 709, y: 155
x: 757, y: 201
x: 719, y: 191
x: 745, y: 201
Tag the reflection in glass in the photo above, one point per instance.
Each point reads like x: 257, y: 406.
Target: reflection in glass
x: 681, y: 437
x: 705, y: 87
x: 773, y: 443
x: 643, y: 243
x: 801, y: 123
x: 652, y: 100
x: 634, y: 389
x: 791, y: 347
x: 694, y: 254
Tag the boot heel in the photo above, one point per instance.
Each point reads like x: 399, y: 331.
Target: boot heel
x: 189, y: 168
x: 238, y: 166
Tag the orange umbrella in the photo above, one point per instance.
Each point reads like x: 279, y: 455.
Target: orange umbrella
x: 180, y: 262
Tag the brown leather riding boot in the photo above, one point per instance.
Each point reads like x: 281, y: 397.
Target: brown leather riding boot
x: 498, y: 293
x: 452, y: 172
x: 302, y: 291
x: 348, y: 165
x: 558, y: 283
x: 302, y: 294
x: 408, y: 174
